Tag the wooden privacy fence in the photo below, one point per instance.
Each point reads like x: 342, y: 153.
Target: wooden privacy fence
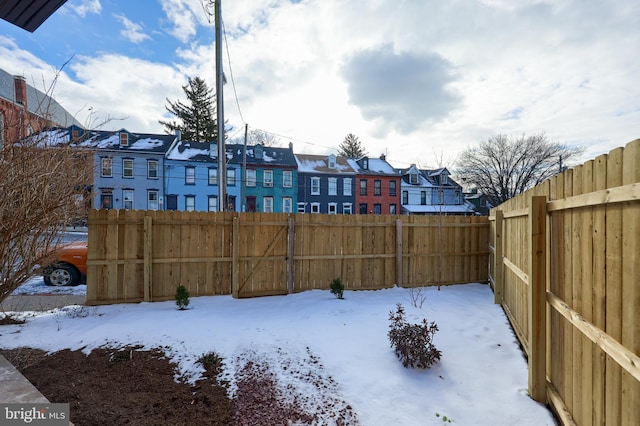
x: 565, y: 265
x: 144, y: 255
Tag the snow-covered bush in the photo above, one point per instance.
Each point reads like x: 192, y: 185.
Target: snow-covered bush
x: 413, y: 343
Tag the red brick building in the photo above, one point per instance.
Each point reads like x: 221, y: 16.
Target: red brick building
x: 377, y: 186
x: 25, y: 110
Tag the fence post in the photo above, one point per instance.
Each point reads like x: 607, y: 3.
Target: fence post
x: 399, y: 253
x: 537, y: 321
x: 235, y: 257
x: 498, y: 265
x: 148, y: 261
x: 291, y: 249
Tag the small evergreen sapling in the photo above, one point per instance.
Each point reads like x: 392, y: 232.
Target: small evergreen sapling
x: 182, y: 297
x: 337, y: 288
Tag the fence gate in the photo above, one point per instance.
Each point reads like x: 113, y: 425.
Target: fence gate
x: 260, y: 254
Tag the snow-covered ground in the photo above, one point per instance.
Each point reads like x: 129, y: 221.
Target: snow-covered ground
x: 36, y: 285
x: 480, y: 380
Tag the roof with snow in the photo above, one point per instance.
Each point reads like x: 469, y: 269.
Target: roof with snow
x: 372, y: 166
x: 38, y: 103
x: 319, y: 164
x: 265, y: 156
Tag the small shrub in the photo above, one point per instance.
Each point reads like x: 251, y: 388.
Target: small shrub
x: 337, y: 288
x: 182, y: 297
x: 211, y: 360
x: 413, y: 343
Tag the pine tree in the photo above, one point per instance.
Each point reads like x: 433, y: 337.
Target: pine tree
x: 196, y: 120
x: 351, y: 147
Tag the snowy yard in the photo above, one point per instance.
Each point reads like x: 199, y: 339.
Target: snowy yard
x: 480, y: 380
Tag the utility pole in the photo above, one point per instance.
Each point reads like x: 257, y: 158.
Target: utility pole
x: 243, y: 202
x: 222, y: 164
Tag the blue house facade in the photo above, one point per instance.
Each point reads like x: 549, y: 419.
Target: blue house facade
x: 326, y: 184
x: 127, y: 167
x: 431, y: 192
x: 191, y: 178
x: 270, y: 177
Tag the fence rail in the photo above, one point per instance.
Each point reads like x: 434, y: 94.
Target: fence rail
x: 144, y: 255
x: 565, y: 265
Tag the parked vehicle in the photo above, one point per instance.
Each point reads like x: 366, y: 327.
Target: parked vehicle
x: 69, y: 265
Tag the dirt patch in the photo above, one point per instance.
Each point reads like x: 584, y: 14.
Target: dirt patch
x: 130, y: 386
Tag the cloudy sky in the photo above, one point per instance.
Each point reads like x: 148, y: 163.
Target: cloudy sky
x: 419, y: 80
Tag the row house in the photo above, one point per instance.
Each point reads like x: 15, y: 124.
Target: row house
x: 24, y: 110
x: 429, y: 192
x: 191, y: 177
x: 377, y: 186
x: 270, y: 178
x: 326, y: 184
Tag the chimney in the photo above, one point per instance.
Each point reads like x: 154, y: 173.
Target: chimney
x: 383, y: 157
x: 291, y: 146
x: 21, y: 90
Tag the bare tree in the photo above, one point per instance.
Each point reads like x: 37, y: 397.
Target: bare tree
x: 262, y: 137
x: 503, y: 167
x: 351, y: 147
x: 43, y: 187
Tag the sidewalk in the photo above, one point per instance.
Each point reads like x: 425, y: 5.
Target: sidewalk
x: 39, y: 302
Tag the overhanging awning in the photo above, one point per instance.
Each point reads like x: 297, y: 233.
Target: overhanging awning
x: 28, y: 14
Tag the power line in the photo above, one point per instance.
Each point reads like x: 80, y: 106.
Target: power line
x: 233, y: 82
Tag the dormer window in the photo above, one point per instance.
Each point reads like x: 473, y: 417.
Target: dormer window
x: 365, y: 164
x: 413, y: 178
x: 258, y: 151
x: 124, y: 139
x: 444, y: 179
x: 332, y: 161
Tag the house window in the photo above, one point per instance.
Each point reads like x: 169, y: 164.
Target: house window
x: 315, y: 207
x: 377, y: 209
x: 213, y: 203
x: 365, y: 164
x: 405, y: 197
x: 363, y: 187
x: 152, y: 200
x: 333, y: 186
x: 413, y: 178
x: 346, y: 186
x: 347, y: 208
x: 457, y: 199
x: 392, y: 209
x: 287, y: 178
x: 106, y: 199
x: 190, y: 175
x: 213, y: 176
x: 106, y: 168
x: 127, y: 199
x: 315, y: 186
x: 268, y: 178
x: 423, y: 197
x: 152, y: 169
x: 231, y: 177
x: 377, y: 187
x: 286, y: 204
x: 301, y: 207
x: 251, y: 177
x: 190, y: 203
x: 172, y: 202
x: 267, y: 204
x: 332, y: 161
x: 127, y: 168
x: 441, y: 197
x: 363, y: 208
x: 124, y: 139
x: 333, y: 208
x: 392, y: 188
x: 444, y: 179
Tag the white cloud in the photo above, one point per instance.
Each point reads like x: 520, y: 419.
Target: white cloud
x: 86, y: 7
x: 132, y: 31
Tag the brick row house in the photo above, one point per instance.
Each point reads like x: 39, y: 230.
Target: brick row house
x: 25, y: 110
x: 163, y: 172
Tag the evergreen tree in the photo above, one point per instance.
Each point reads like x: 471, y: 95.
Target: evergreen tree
x: 351, y: 147
x: 196, y: 120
